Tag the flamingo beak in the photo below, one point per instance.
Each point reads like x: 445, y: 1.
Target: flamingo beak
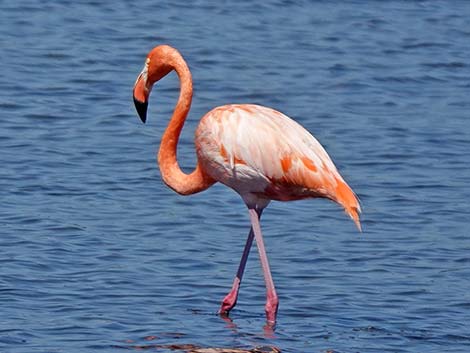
x: 141, y: 94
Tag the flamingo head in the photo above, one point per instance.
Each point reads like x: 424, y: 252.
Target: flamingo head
x: 157, y: 65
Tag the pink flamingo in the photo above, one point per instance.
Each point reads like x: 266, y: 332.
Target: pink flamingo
x: 259, y: 152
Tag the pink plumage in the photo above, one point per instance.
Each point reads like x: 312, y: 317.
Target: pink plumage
x: 264, y: 155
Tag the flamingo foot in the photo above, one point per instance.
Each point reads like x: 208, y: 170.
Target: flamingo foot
x: 272, y: 304
x: 229, y: 302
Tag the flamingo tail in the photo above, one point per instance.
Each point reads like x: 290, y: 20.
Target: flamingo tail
x: 348, y: 199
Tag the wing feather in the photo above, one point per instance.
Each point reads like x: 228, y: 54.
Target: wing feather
x: 272, y: 145
x: 258, y: 150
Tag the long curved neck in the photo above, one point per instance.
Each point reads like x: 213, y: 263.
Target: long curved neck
x: 172, y: 174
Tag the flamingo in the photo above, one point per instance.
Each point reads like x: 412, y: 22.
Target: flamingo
x: 257, y: 151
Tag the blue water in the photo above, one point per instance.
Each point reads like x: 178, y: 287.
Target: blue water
x: 97, y: 255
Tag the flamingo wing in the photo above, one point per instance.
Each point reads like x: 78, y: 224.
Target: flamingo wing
x: 258, y: 150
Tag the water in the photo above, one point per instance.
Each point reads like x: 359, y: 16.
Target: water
x: 97, y: 255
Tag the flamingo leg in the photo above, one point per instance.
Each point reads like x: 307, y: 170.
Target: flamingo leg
x: 230, y: 299
x: 272, y: 301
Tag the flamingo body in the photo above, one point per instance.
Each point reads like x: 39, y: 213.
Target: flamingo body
x: 264, y: 155
x: 259, y: 152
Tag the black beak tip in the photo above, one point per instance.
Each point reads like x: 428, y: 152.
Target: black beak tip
x: 141, y: 108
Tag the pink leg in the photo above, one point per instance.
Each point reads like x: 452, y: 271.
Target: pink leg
x: 272, y: 301
x: 231, y: 298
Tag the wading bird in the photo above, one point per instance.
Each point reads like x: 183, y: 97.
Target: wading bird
x: 257, y: 151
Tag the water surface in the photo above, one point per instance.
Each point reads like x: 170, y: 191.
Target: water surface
x: 96, y: 254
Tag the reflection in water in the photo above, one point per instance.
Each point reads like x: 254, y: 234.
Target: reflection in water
x: 268, y: 329
x: 191, y: 348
